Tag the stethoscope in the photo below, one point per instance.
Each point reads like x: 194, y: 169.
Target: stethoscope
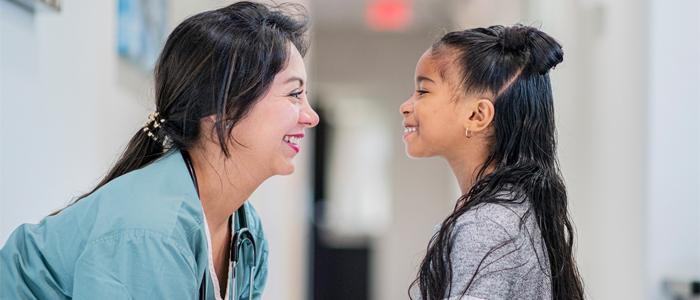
x: 240, y: 238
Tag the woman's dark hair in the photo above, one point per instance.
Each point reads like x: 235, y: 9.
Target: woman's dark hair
x: 511, y: 63
x: 219, y: 63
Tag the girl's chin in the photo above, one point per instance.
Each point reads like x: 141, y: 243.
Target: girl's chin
x: 415, y: 152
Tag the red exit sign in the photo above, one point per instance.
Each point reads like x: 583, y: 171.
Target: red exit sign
x: 388, y: 15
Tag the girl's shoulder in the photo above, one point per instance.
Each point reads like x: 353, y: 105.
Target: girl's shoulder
x: 508, y: 217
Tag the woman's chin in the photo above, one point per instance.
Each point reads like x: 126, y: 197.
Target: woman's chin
x: 286, y: 169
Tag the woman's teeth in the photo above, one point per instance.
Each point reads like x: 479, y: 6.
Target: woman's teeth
x: 409, y: 129
x: 292, y: 139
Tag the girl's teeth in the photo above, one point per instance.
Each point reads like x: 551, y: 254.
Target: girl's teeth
x: 409, y: 129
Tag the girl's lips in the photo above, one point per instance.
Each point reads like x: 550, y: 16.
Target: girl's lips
x: 408, y: 130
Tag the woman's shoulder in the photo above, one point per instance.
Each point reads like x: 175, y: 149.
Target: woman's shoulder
x: 157, y: 198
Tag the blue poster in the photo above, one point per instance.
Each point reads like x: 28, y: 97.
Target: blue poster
x: 141, y: 30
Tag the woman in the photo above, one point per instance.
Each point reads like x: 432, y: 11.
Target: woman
x: 170, y: 220
x: 483, y: 102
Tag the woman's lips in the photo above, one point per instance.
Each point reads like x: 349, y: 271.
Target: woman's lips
x: 292, y: 140
x: 294, y: 147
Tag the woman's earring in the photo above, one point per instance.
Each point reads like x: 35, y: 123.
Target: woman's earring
x: 468, y: 134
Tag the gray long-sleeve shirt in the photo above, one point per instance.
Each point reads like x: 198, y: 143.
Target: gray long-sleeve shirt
x: 515, y: 263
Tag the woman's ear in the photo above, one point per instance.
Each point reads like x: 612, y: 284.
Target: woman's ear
x: 207, y: 128
x: 479, y: 115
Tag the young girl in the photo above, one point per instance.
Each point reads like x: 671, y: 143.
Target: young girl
x: 170, y: 220
x: 483, y: 102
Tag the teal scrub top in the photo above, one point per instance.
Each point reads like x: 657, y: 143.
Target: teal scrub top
x: 140, y: 236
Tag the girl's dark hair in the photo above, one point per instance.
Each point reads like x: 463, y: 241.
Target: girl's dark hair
x: 511, y: 63
x: 217, y: 62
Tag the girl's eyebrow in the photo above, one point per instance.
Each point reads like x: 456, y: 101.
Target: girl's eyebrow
x: 420, y: 78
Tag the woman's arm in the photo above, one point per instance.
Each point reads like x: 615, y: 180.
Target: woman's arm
x: 135, y: 264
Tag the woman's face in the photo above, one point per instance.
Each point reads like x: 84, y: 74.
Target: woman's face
x: 272, y: 131
x: 431, y: 116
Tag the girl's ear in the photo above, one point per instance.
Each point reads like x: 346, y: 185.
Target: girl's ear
x: 478, y: 115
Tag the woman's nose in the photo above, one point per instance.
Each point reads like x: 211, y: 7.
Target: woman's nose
x: 308, y: 116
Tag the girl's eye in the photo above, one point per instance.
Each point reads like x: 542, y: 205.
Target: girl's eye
x: 421, y: 92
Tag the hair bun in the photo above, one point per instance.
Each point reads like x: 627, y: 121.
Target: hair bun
x: 543, y: 51
x: 515, y: 38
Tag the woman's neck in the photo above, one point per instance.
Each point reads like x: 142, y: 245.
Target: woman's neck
x: 223, y: 184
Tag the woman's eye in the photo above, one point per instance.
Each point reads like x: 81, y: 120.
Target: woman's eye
x: 421, y: 92
x: 297, y: 95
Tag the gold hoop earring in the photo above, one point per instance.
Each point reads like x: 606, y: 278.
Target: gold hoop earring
x: 468, y: 134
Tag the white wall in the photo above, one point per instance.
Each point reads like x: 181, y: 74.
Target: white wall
x: 672, y: 210
x: 64, y: 119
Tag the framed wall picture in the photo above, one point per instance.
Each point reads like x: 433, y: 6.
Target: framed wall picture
x: 33, y: 5
x: 141, y: 30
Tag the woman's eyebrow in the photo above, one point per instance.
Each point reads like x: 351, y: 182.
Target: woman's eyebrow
x: 295, y: 78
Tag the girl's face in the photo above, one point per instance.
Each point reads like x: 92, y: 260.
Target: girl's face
x: 433, y: 116
x: 272, y: 131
